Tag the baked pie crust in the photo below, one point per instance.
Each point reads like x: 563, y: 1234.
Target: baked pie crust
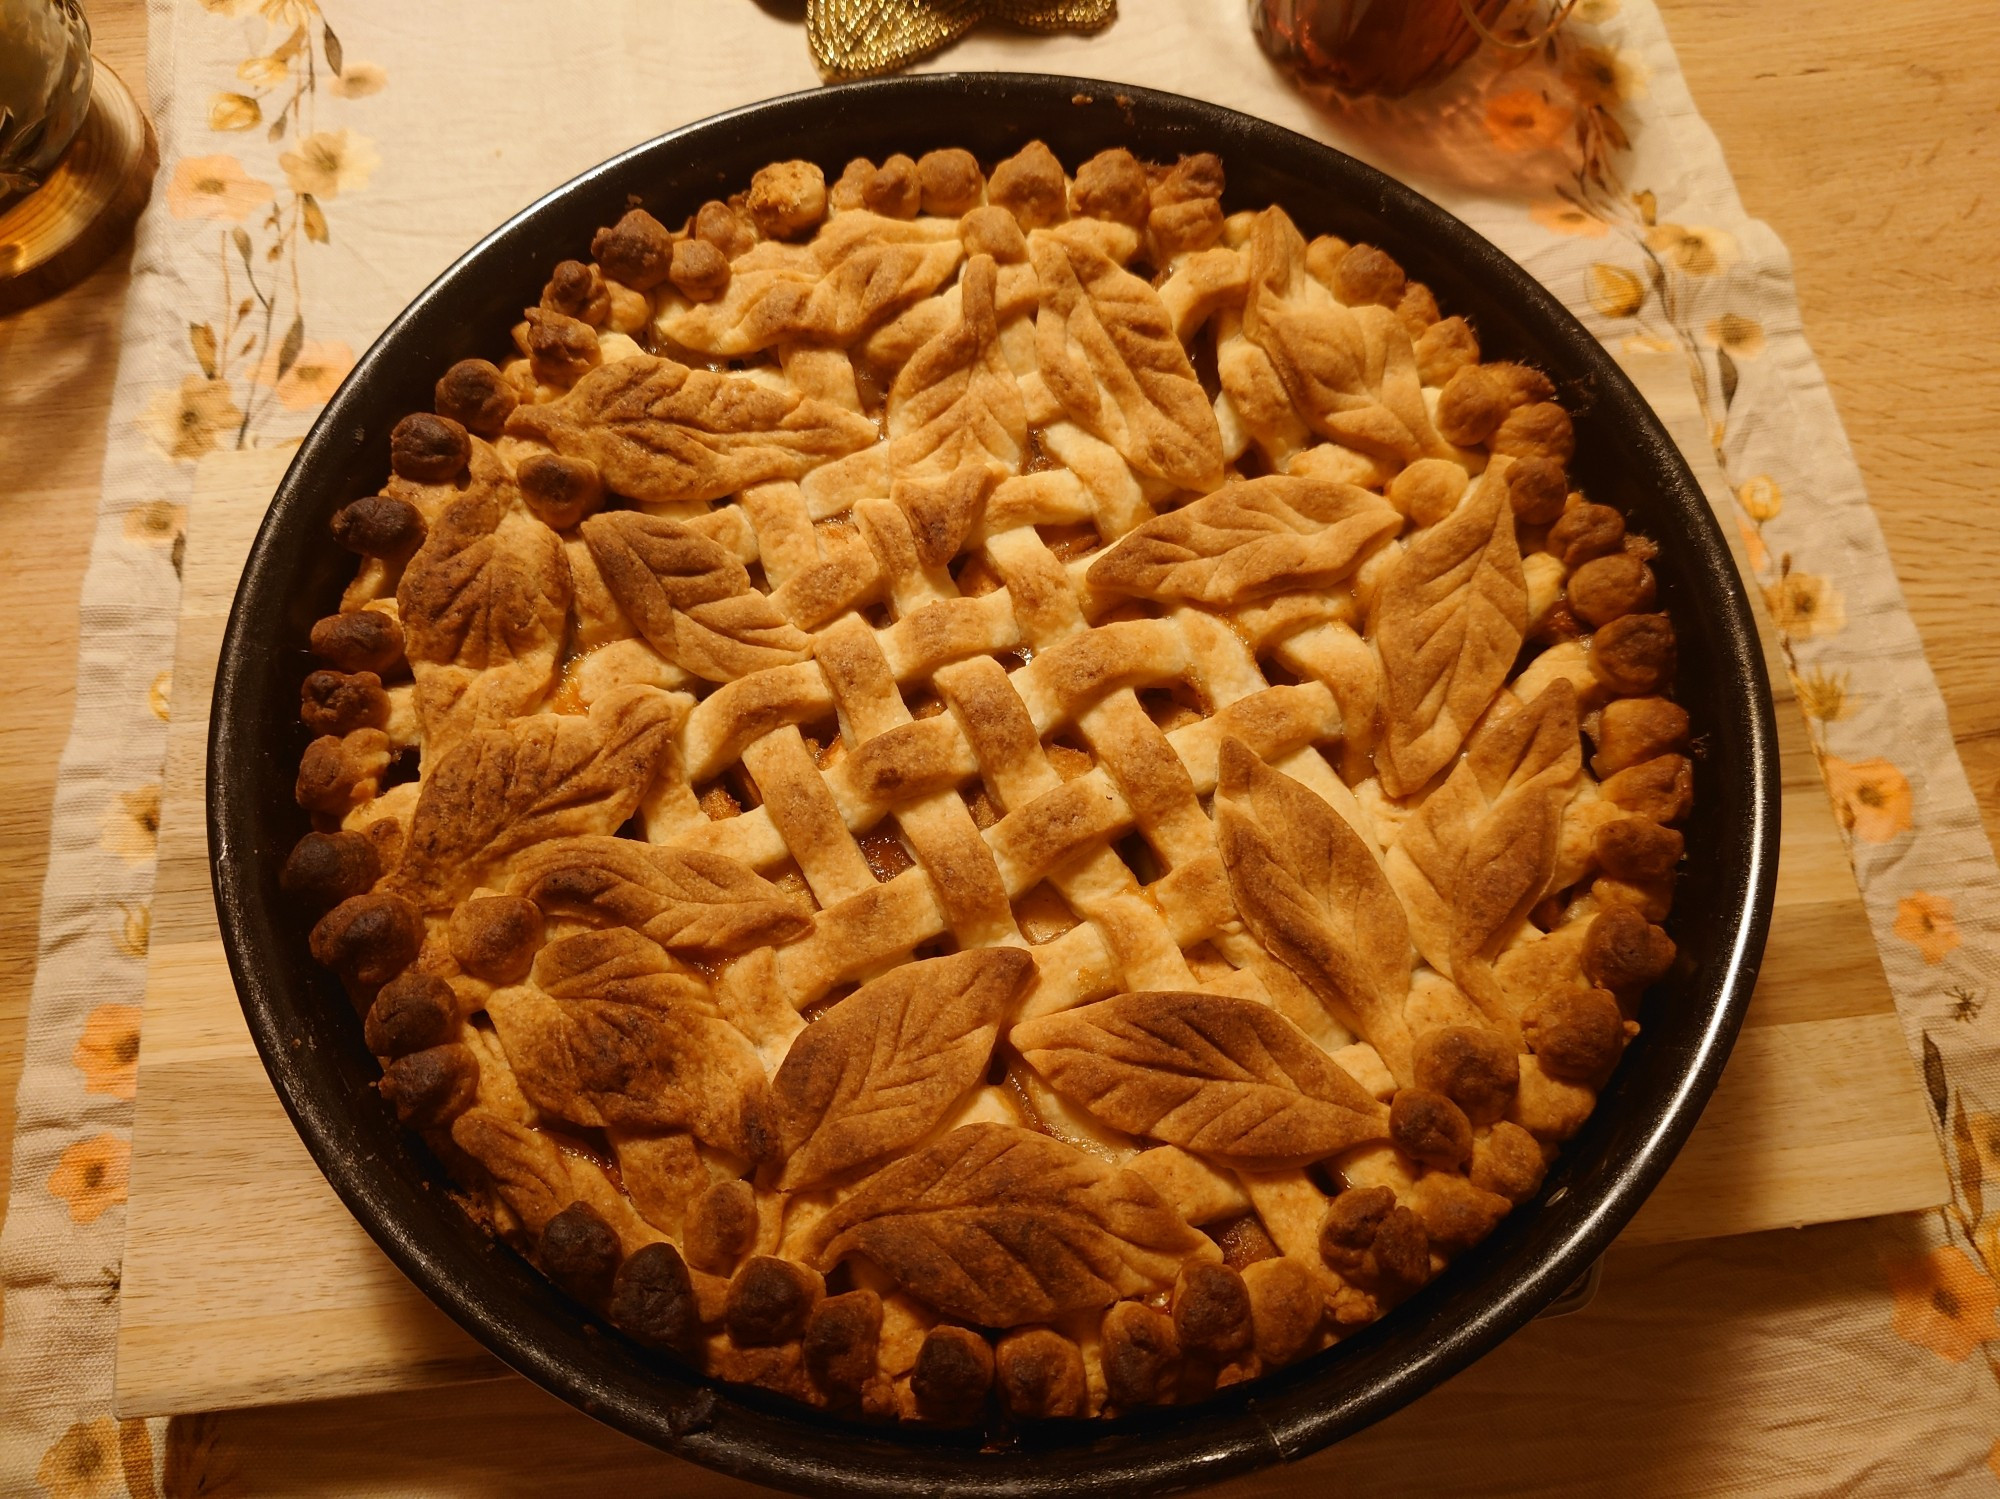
x: 976, y: 796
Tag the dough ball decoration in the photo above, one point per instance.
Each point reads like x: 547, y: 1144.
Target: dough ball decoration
x: 986, y: 795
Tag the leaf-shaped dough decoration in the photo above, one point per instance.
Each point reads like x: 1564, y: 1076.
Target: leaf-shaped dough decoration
x: 1247, y: 541
x: 661, y: 432
x: 524, y: 1164
x: 880, y: 1069
x: 690, y: 598
x: 1106, y: 345
x: 998, y: 1226
x: 531, y: 780
x: 1478, y: 854
x: 679, y: 897
x: 859, y: 271
x: 606, y: 1034
x: 1212, y: 1073
x: 1449, y: 622
x: 956, y: 422
x: 1351, y: 373
x: 483, y: 605
x: 1310, y: 890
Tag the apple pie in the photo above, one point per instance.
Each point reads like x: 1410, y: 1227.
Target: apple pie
x: 982, y: 795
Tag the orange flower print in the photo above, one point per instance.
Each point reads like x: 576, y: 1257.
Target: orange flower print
x: 358, y: 80
x: 215, y: 187
x: 1527, y: 120
x: 91, y: 1177
x: 1560, y: 217
x: 312, y: 378
x: 156, y: 523
x: 135, y: 932
x: 1824, y: 695
x: 1615, y: 291
x: 1925, y: 922
x: 330, y: 162
x: 108, y: 1052
x: 131, y: 826
x: 83, y: 1462
x: 1870, y: 797
x: 1741, y: 337
x: 1602, y: 77
x: 1698, y: 251
x: 185, y: 422
x: 1761, y: 498
x: 1943, y: 1303
x: 1806, y: 606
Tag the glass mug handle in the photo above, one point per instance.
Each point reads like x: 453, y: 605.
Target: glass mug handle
x: 1516, y: 44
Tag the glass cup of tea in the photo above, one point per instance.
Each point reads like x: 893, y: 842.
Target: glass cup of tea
x: 44, y: 88
x: 1389, y: 48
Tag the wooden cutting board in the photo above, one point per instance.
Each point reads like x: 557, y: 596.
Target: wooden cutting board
x: 247, y: 1283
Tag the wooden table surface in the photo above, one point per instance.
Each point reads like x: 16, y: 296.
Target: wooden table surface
x: 1868, y: 138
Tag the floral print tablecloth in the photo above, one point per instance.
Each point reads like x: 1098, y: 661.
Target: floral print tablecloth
x: 322, y: 159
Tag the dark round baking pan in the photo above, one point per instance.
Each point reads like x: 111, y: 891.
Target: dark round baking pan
x: 311, y: 1041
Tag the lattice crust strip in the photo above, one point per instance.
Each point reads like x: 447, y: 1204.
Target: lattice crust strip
x: 991, y: 796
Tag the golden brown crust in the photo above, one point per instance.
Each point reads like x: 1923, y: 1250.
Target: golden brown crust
x: 637, y: 250
x: 1450, y: 619
x: 880, y: 1070
x: 1247, y: 541
x: 1286, y: 1308
x: 379, y: 525
x: 1479, y: 853
x: 495, y: 937
x: 1633, y: 730
x: 1030, y: 185
x: 1430, y: 1128
x: 660, y: 431
x: 611, y: 1031
x: 477, y: 396
x: 912, y: 594
x: 1001, y: 1227
x: 504, y: 790
x: 1109, y: 354
x: 1509, y: 1163
x: 680, y: 897
x: 721, y: 1227
x: 1575, y: 1034
x: 691, y: 600
x: 1475, y: 1068
x: 363, y: 640
x: 1312, y: 893
x: 653, y: 1299
x: 770, y: 1301
x: 786, y: 199
x: 560, y: 491
x: 1039, y: 1375
x: 954, y: 1371
x: 842, y: 1344
x: 324, y: 869
x: 1141, y: 1356
x: 1211, y: 1309
x: 955, y: 422
x: 413, y: 1012
x: 951, y: 181
x: 1229, y: 1078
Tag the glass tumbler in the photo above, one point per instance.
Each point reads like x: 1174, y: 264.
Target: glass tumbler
x: 44, y: 87
x: 1385, y: 48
